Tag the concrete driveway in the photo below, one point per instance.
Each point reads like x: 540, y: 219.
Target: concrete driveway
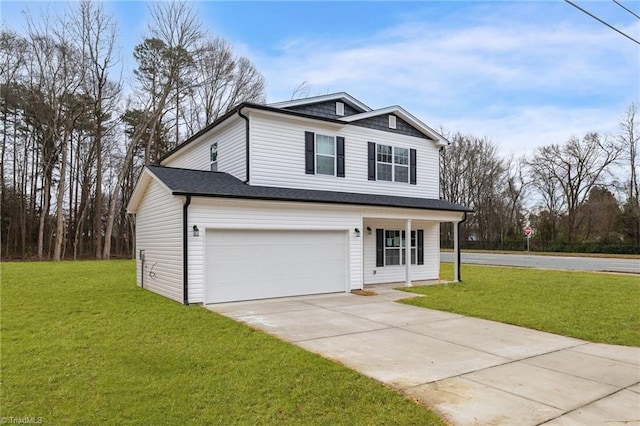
x: 470, y: 371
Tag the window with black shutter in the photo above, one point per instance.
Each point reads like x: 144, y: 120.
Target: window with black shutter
x: 391, y: 163
x: 324, y: 154
x: 309, y: 153
x: 390, y: 247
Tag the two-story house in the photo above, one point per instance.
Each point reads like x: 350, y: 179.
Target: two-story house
x: 307, y: 196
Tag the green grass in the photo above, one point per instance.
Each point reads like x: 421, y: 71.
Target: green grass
x: 550, y: 253
x: 81, y: 344
x: 601, y: 308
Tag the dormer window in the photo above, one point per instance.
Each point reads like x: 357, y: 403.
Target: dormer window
x: 392, y: 121
x: 213, y: 156
x: 339, y: 108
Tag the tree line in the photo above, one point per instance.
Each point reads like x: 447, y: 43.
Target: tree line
x: 76, y: 129
x: 582, y: 195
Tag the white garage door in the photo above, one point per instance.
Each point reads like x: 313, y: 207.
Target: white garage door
x: 245, y: 265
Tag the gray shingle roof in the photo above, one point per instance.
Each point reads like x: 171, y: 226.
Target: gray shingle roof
x: 218, y: 184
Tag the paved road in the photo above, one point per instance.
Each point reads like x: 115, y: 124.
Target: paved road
x: 549, y: 262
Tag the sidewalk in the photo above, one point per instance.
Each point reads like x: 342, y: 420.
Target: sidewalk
x: 470, y: 371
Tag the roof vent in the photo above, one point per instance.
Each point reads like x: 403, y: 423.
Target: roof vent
x: 339, y: 108
x: 392, y: 121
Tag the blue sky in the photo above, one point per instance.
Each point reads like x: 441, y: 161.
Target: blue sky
x: 523, y: 73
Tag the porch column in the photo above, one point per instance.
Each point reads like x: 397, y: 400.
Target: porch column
x: 456, y: 251
x: 407, y: 253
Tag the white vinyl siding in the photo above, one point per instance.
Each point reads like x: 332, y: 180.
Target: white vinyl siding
x: 231, y: 141
x: 278, y: 157
x: 159, y: 234
x: 430, y: 270
x: 219, y: 214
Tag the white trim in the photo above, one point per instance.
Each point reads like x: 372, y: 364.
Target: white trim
x: 209, y: 230
x: 406, y: 116
x: 323, y: 98
x: 394, y: 164
x: 407, y: 253
x: 265, y: 227
x: 456, y: 250
x: 141, y: 186
x: 334, y: 155
x: 185, y: 146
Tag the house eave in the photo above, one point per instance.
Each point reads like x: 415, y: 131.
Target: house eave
x: 340, y: 96
x: 437, y: 138
x: 310, y: 201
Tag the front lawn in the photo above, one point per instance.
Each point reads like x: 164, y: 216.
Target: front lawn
x: 596, y: 307
x: 81, y: 344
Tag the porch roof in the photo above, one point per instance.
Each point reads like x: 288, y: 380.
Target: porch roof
x: 202, y: 183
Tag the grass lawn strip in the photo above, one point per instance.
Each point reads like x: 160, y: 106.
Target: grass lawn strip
x: 602, y: 308
x: 550, y: 253
x: 81, y: 344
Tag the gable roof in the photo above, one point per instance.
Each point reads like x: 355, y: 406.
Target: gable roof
x: 280, y: 107
x: 406, y: 116
x: 203, y: 183
x: 340, y: 96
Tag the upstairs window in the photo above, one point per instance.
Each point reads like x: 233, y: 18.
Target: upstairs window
x: 385, y: 163
x: 325, y: 155
x: 392, y: 121
x: 401, y: 165
x: 339, y: 108
x: 213, y: 157
x: 392, y: 164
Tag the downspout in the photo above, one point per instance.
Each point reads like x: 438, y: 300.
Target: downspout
x: 246, y: 132
x: 464, y: 219
x: 185, y: 247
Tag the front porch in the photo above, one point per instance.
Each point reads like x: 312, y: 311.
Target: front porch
x: 390, y: 258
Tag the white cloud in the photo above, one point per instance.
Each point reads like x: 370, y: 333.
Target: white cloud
x: 522, y: 84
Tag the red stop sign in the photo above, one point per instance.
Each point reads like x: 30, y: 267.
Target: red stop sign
x: 527, y: 231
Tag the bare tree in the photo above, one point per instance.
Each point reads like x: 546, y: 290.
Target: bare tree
x: 96, y: 35
x: 56, y: 75
x: 66, y: 171
x: 629, y: 139
x: 301, y: 91
x: 514, y: 191
x: 160, y: 61
x: 223, y: 81
x: 564, y: 175
x: 177, y: 26
x: 472, y: 173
